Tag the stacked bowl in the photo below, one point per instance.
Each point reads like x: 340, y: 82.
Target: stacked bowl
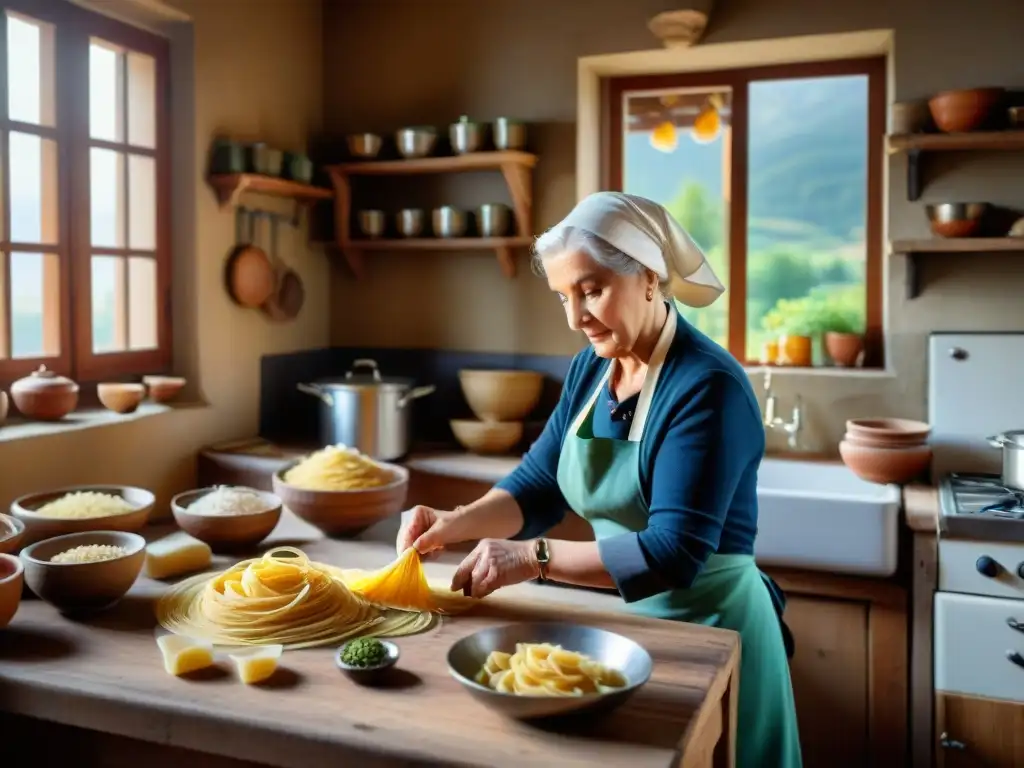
x: 500, y: 400
x: 886, y: 450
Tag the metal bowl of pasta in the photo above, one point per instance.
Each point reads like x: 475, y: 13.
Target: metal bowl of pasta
x: 549, y: 669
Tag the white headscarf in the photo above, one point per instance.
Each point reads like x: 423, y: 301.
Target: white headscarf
x: 644, y: 230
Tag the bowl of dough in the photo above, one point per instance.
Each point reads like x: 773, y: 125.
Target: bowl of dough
x: 342, y: 491
x: 228, y: 518
x: 83, y: 508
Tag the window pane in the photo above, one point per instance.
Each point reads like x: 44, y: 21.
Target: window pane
x: 675, y: 151
x: 141, y: 100
x: 108, y: 300
x: 806, y: 248
x: 142, y: 302
x: 4, y: 352
x: 33, y: 167
x: 106, y: 118
x: 30, y: 70
x: 35, y: 305
x: 107, y: 197
x: 142, y: 205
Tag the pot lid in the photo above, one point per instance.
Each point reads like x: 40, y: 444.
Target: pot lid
x: 44, y: 380
x: 1012, y: 437
x: 364, y: 374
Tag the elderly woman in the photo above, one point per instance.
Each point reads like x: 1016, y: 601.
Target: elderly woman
x: 656, y: 441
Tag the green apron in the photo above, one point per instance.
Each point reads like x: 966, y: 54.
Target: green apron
x: 600, y: 479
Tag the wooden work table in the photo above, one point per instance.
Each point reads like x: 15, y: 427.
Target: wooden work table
x: 105, y: 676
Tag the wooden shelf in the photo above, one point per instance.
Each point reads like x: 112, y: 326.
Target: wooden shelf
x: 913, y: 249
x: 916, y: 144
x: 502, y: 247
x: 956, y: 142
x: 515, y: 167
x: 474, y: 161
x: 229, y: 187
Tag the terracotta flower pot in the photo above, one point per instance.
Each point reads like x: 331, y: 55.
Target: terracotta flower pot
x: 845, y: 349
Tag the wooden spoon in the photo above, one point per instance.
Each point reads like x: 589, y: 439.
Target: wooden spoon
x: 250, y: 275
x: 290, y: 294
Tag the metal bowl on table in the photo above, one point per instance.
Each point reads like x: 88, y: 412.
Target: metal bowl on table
x: 364, y: 145
x: 415, y: 142
x: 466, y: 136
x: 468, y: 655
x: 409, y: 222
x: 509, y: 134
x: 448, y: 221
x: 956, y: 219
x: 492, y: 219
x: 371, y: 223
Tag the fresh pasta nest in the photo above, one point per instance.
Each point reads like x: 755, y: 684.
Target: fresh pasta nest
x: 543, y: 669
x: 284, y: 598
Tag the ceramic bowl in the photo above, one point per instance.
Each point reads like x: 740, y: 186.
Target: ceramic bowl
x: 121, y: 398
x: 83, y: 587
x: 12, y: 531
x: 345, y: 513
x: 367, y: 675
x: 487, y: 437
x: 163, y: 388
x: 226, y: 533
x: 12, y: 576
x: 38, y: 527
x: 501, y: 395
x: 467, y: 656
x: 888, y: 432
x: 886, y: 465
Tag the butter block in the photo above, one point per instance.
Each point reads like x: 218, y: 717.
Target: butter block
x: 183, y: 655
x: 257, y: 665
x: 175, y: 555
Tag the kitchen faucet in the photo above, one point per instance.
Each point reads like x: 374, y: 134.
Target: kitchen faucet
x: 792, y: 427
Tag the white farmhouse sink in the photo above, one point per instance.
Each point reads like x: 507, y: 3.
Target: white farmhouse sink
x: 822, y: 517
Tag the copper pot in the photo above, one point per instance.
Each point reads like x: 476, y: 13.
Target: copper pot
x: 44, y: 395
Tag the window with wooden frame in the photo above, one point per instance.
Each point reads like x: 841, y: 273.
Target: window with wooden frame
x: 84, y: 194
x: 777, y: 173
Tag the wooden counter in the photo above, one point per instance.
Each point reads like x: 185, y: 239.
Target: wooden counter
x: 105, y: 675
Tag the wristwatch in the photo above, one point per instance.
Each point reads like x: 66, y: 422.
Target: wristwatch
x: 543, y: 557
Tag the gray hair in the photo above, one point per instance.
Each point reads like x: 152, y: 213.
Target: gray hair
x: 557, y: 241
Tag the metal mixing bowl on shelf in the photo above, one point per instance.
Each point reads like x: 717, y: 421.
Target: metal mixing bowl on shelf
x: 448, y: 221
x: 956, y: 219
x: 467, y: 656
x: 365, y: 146
x: 415, y: 142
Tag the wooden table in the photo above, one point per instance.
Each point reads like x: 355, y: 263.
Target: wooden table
x: 105, y: 676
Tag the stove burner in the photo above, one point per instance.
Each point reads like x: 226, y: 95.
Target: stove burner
x: 981, y: 506
x: 1011, y: 506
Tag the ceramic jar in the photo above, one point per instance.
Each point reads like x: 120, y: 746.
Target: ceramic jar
x: 44, y: 395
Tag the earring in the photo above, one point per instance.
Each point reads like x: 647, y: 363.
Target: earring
x: 650, y: 294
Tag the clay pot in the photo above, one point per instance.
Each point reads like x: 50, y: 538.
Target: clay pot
x: 845, y: 349
x: 795, y: 350
x: 964, y: 110
x: 45, y: 395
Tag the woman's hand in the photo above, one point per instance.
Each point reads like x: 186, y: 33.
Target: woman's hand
x: 428, y: 530
x: 496, y: 563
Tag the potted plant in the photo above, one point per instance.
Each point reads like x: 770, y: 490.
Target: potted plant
x: 844, y: 343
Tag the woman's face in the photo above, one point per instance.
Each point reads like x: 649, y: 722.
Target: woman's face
x: 611, y: 309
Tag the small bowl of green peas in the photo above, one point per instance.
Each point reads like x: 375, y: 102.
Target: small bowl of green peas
x: 366, y: 658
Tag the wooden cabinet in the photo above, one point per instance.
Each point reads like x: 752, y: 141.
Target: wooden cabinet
x: 830, y: 679
x: 973, y: 732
